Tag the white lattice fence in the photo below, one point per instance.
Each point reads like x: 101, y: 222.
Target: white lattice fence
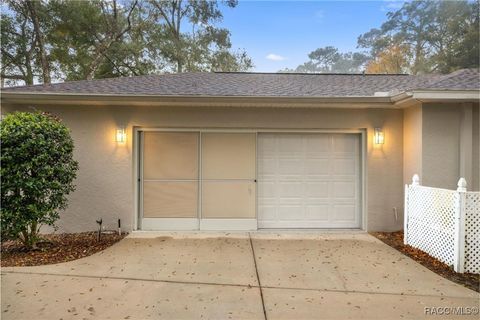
x: 444, y: 223
x: 431, y: 222
x: 472, y: 232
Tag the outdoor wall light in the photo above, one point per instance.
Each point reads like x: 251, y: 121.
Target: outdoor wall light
x: 378, y: 136
x: 121, y: 135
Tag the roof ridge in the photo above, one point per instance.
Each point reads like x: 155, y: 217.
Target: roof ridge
x: 313, y: 73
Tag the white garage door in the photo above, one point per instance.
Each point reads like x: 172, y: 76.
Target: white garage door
x: 309, y: 180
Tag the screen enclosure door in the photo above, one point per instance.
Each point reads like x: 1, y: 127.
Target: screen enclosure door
x: 197, y: 180
x: 170, y: 180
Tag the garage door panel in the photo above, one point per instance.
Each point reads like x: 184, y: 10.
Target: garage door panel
x: 289, y: 202
x: 268, y: 144
x: 315, y: 143
x: 317, y: 179
x: 317, y: 212
x: 267, y: 167
x: 344, y: 189
x: 344, y: 213
x: 290, y: 167
x: 287, y: 189
x: 345, y: 167
x: 284, y: 178
x: 317, y: 166
x: 268, y: 189
x: 345, y: 143
x: 317, y: 190
x: 290, y: 212
x: 289, y: 145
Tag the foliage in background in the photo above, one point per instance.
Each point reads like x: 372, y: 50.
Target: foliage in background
x: 441, y: 36
x: 391, y: 60
x: 205, y: 47
x: 329, y: 59
x: 73, y: 40
x: 23, y: 48
x: 37, y: 173
x: 421, y: 37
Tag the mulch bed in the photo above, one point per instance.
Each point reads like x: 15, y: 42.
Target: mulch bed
x: 56, y: 248
x: 395, y: 240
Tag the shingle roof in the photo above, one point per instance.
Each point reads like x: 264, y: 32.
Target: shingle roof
x: 465, y: 79
x: 260, y: 84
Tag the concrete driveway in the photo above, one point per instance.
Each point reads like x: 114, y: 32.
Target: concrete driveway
x: 235, y: 276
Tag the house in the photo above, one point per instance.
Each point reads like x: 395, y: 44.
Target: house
x: 241, y: 151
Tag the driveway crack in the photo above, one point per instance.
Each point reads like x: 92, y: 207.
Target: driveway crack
x: 258, y: 277
x: 3, y: 273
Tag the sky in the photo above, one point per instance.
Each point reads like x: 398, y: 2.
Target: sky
x: 280, y: 34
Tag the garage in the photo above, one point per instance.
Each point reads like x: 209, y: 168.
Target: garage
x: 309, y: 180
x: 246, y: 180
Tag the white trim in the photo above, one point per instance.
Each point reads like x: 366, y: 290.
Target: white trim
x: 250, y: 130
x: 256, y: 176
x: 409, y: 98
x: 155, y: 224
x: 180, y: 96
x: 363, y: 178
x: 136, y: 176
x: 377, y: 97
x: 228, y: 224
x: 400, y: 100
x: 348, y: 102
x: 200, y: 180
x: 405, y: 216
x: 446, y: 94
x: 272, y: 226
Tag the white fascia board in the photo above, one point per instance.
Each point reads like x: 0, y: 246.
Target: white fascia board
x: 436, y: 95
x: 408, y: 98
x: 399, y: 100
x: 222, y: 101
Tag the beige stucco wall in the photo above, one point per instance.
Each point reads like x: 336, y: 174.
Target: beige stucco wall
x: 412, y: 142
x: 441, y: 144
x: 476, y: 147
x: 105, y: 186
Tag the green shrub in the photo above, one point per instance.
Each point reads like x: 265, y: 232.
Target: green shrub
x: 37, y: 173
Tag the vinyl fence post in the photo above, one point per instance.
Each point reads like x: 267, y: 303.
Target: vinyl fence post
x: 405, y: 217
x: 459, y: 237
x: 415, y: 182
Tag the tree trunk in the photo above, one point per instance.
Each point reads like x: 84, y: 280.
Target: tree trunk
x: 28, y: 70
x: 93, y: 66
x: 40, y: 41
x: 29, y: 237
x: 416, y: 64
